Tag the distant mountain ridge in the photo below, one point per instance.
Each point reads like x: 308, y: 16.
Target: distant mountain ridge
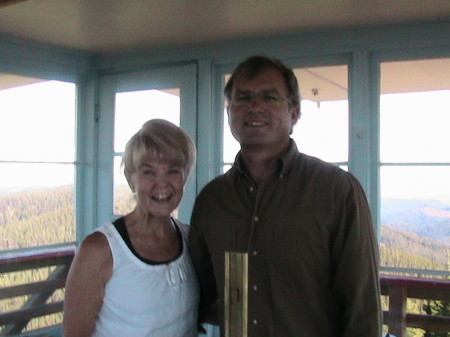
x: 426, y: 218
x: 414, y: 233
x: 409, y: 250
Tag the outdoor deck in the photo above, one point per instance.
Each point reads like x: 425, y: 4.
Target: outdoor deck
x: 39, y: 299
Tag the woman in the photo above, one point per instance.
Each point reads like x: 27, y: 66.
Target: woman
x: 134, y: 277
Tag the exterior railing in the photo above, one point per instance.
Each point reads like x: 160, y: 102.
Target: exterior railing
x: 37, y: 293
x: 398, y: 289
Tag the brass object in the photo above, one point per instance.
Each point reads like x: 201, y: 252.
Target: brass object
x: 236, y: 294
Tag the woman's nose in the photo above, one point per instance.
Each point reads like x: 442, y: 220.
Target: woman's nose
x: 162, y: 179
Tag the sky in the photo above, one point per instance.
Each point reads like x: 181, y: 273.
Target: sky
x: 415, y: 129
x: 131, y: 116
x: 37, y: 123
x: 37, y: 119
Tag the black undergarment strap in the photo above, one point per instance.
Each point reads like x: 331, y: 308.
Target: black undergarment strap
x: 119, y: 224
x: 122, y: 229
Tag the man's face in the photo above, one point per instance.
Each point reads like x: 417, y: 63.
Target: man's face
x: 259, y: 113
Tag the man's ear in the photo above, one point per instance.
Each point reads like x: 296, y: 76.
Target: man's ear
x: 228, y: 113
x: 296, y: 113
x: 295, y: 116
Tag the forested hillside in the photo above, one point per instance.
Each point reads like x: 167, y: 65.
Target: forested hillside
x: 414, y: 234
x: 426, y: 218
x: 408, y: 250
x: 37, y: 218
x: 46, y: 217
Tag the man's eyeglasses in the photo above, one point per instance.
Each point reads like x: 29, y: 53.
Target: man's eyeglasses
x: 266, y: 98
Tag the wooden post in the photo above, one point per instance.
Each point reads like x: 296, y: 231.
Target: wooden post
x: 236, y: 294
x: 397, y: 310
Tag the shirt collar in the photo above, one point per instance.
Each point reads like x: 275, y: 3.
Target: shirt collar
x: 285, y: 161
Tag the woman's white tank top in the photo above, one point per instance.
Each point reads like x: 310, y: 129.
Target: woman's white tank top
x: 146, y: 300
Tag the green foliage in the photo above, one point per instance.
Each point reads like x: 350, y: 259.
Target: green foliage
x: 15, y: 303
x: 46, y: 217
x: 32, y: 219
x: 124, y: 201
x: 407, y: 250
x: 23, y: 205
x: 37, y: 218
x: 437, y: 308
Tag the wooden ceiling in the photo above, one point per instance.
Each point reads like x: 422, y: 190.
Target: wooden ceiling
x: 106, y: 26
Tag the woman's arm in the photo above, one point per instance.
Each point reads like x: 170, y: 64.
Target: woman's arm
x: 85, y: 286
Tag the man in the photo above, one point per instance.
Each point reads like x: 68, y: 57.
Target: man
x: 306, y: 224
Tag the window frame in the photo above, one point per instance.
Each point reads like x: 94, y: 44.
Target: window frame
x: 377, y: 58
x: 364, y: 114
x: 159, y: 77
x: 222, y: 70
x: 77, y: 167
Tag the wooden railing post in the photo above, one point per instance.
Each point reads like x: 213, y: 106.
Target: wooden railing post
x: 35, y: 300
x: 37, y: 292
x: 398, y: 288
x: 397, y: 310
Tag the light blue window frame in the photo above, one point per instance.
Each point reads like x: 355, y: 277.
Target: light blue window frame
x: 177, y: 76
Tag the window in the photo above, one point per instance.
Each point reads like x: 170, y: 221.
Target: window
x: 133, y: 109
x: 415, y: 164
x: 37, y: 162
x: 322, y: 130
x: 127, y: 101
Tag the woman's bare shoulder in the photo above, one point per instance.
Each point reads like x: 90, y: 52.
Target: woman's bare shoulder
x: 95, y: 250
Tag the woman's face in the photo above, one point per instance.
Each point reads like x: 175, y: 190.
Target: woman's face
x: 159, y: 187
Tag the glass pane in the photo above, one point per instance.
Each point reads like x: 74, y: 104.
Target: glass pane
x: 132, y: 110
x: 226, y: 167
x: 38, y: 121
x: 230, y: 145
x: 37, y: 125
x: 415, y: 200
x: 415, y: 216
x: 36, y: 205
x: 322, y: 130
x: 124, y: 201
x: 414, y: 127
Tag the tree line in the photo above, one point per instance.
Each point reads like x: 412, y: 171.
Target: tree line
x: 45, y: 217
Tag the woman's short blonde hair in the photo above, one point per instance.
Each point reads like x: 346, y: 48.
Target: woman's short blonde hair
x: 162, y: 140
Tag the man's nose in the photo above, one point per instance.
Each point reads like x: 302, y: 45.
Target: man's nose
x: 257, y: 101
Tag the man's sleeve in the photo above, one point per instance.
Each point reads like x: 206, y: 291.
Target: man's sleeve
x: 203, y: 266
x: 356, y: 262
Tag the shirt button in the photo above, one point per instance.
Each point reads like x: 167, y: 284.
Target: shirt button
x: 255, y: 287
x: 255, y: 252
x: 256, y: 218
x: 251, y: 188
x: 255, y: 322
